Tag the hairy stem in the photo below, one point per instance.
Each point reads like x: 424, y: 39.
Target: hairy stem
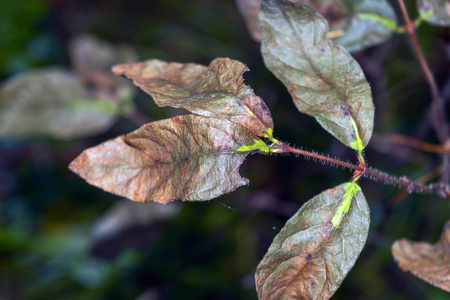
x: 288, y: 149
x: 441, y: 189
x: 438, y: 108
x: 423, y: 179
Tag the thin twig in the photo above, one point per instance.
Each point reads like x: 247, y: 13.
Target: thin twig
x: 288, y: 149
x: 438, y: 108
x: 410, y: 30
x: 389, y: 208
x: 440, y: 189
x: 423, y: 179
x: 411, y: 142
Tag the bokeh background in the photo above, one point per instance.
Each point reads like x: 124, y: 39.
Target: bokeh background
x: 61, y: 238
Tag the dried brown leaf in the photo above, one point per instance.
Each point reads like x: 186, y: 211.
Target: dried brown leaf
x: 214, y: 91
x: 428, y: 262
x: 310, y: 258
x: 186, y: 157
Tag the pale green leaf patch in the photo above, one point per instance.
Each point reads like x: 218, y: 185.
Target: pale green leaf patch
x: 351, y: 188
x: 261, y: 146
x: 390, y: 24
x: 436, y: 12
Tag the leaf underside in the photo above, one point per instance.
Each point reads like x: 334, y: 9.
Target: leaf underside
x: 428, y: 262
x: 310, y: 258
x: 186, y: 157
x: 440, y: 8
x: 214, y: 91
x: 324, y: 80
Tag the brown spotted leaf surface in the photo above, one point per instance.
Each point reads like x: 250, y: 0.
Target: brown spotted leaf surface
x: 44, y: 102
x: 428, y: 262
x: 344, y: 16
x: 440, y: 8
x: 214, y: 91
x: 192, y: 158
x: 309, y: 258
x: 324, y: 80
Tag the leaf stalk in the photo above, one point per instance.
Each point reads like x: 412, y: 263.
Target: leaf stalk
x: 362, y: 170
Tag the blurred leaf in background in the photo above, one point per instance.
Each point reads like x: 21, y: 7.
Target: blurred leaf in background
x: 63, y: 103
x: 50, y: 245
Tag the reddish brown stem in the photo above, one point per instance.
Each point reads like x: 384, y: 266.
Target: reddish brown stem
x: 423, y: 179
x: 288, y: 149
x: 438, y: 108
x: 410, y: 30
x: 441, y: 190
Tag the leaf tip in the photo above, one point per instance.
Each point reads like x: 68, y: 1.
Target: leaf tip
x: 75, y: 165
x: 118, y: 69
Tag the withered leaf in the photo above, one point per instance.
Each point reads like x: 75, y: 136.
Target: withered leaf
x: 360, y: 24
x: 440, y: 11
x: 41, y: 103
x: 309, y: 258
x: 428, y: 262
x: 323, y: 79
x: 214, y: 91
x: 186, y: 157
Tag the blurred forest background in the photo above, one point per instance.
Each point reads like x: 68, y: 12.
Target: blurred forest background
x: 61, y: 238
